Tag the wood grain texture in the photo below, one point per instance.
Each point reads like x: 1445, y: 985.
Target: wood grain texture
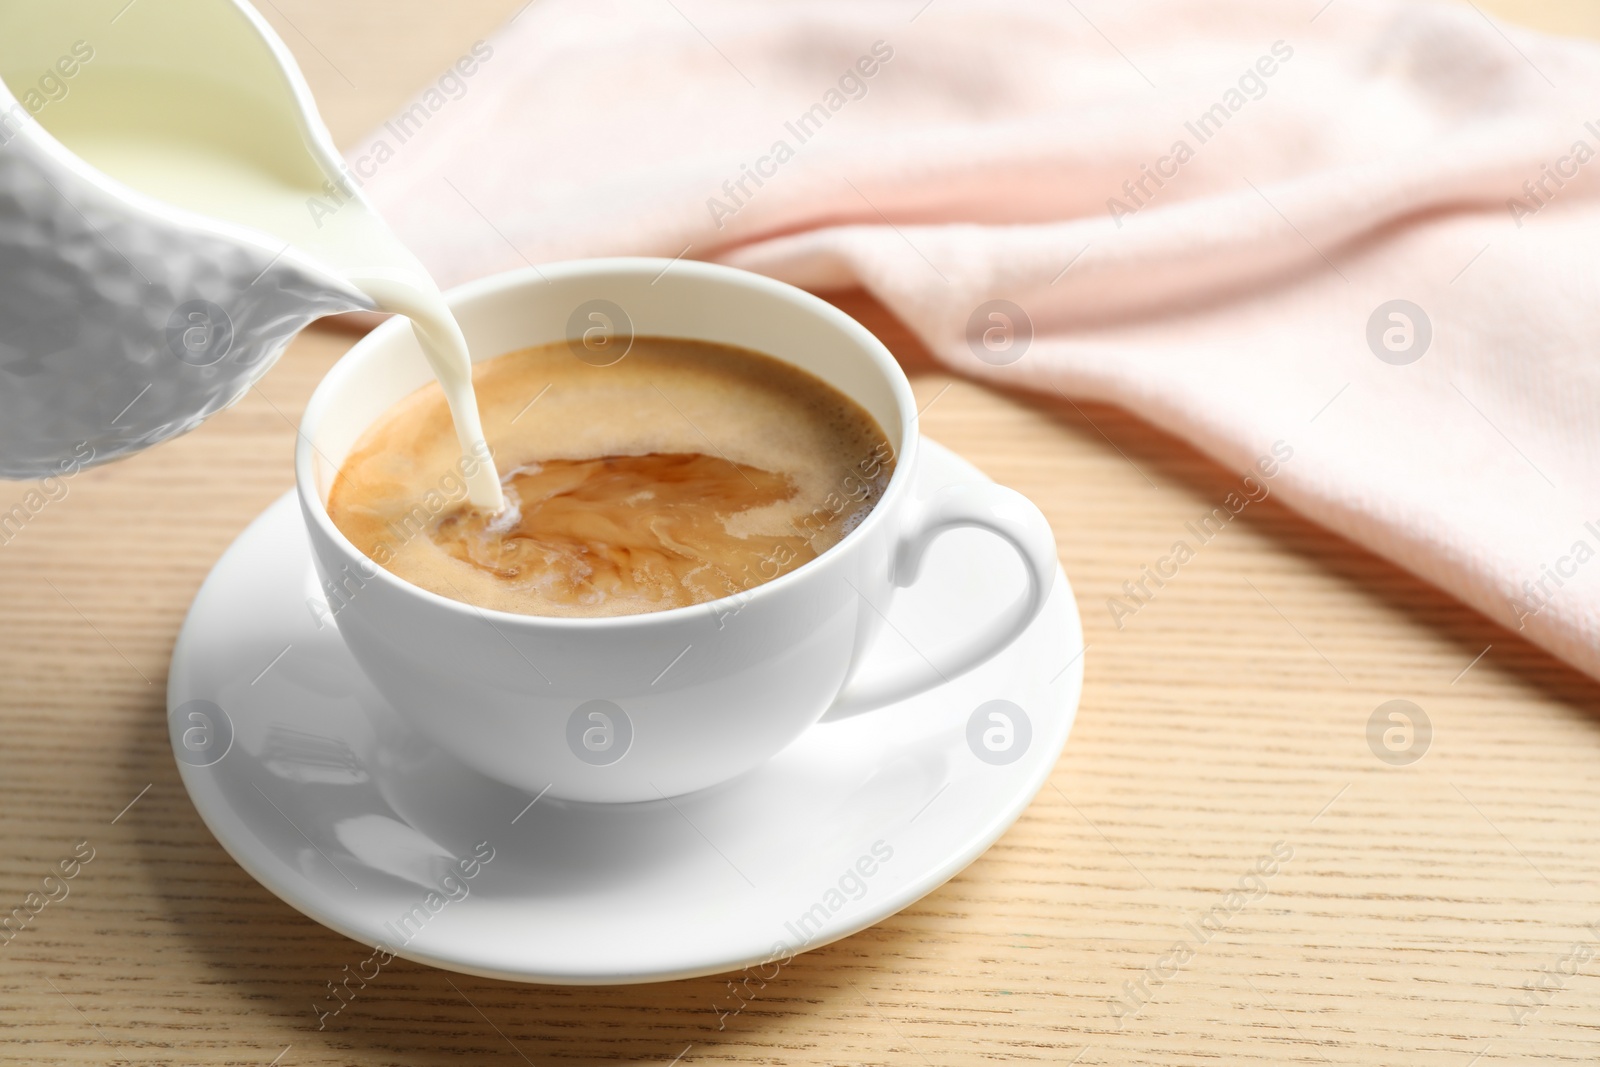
x: 1226, y: 718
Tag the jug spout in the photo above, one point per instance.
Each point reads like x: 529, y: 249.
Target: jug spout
x: 116, y: 333
x: 150, y: 266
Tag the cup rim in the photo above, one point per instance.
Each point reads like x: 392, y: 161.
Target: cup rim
x: 494, y: 285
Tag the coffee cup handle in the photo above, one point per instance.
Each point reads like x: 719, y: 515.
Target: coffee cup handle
x: 990, y: 507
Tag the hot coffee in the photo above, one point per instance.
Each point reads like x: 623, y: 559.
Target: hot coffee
x: 686, y: 472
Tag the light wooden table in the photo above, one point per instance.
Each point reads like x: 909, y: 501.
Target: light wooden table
x: 1227, y: 717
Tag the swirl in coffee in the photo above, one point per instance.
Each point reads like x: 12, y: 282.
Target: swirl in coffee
x: 686, y: 472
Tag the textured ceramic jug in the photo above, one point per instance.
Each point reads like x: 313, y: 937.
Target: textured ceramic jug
x: 128, y: 318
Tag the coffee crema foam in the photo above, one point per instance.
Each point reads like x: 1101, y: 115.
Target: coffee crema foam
x: 686, y: 472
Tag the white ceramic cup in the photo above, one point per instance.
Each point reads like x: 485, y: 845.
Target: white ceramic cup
x: 640, y: 707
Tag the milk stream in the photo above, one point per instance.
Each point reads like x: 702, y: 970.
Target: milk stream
x: 222, y: 153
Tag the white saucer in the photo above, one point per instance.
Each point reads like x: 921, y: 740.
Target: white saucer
x: 314, y: 786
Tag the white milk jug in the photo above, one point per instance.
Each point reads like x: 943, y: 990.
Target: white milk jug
x: 164, y: 232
